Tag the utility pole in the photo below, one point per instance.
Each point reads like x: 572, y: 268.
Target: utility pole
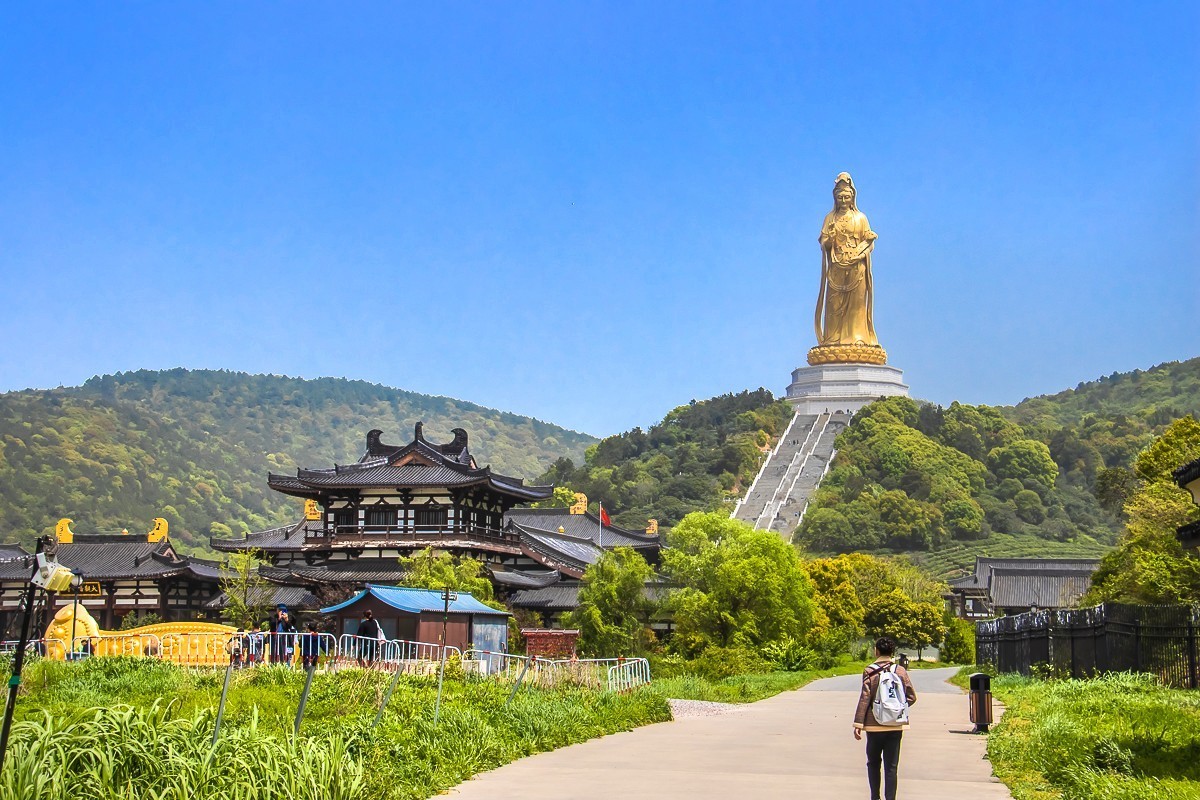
x: 448, y: 597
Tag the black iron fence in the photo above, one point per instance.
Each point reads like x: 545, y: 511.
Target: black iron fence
x: 1110, y: 638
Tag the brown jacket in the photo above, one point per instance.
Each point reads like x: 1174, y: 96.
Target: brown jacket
x: 863, y: 718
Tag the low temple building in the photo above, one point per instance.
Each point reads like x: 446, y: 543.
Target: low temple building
x: 359, y: 519
x: 1188, y: 478
x: 121, y: 573
x: 1002, y: 586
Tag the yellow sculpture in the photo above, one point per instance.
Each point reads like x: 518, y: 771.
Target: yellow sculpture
x: 187, y: 643
x: 844, y: 320
x: 159, y: 532
x: 652, y: 528
x: 580, y: 506
x: 312, y: 511
x: 63, y: 532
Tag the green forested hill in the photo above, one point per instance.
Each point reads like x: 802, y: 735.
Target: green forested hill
x: 1045, y: 477
x: 194, y: 446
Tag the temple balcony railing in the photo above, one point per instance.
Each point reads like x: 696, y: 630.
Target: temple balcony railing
x: 350, y: 534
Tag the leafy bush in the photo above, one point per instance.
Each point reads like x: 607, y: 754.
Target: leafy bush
x: 958, y: 647
x: 725, y: 662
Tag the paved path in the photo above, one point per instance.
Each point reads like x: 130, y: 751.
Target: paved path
x: 794, y: 745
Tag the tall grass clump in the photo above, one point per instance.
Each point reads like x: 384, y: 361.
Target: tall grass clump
x: 100, y: 730
x: 127, y: 753
x: 1117, y: 737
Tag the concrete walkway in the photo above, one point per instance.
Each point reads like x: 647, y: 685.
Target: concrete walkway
x: 795, y: 745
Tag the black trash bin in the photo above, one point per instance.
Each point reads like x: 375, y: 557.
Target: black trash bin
x: 980, y: 698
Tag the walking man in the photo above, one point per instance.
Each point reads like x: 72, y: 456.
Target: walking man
x: 884, y: 716
x: 368, y: 638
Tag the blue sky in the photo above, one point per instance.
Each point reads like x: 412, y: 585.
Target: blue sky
x: 592, y: 213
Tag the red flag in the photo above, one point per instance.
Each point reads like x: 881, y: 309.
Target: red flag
x: 604, y: 520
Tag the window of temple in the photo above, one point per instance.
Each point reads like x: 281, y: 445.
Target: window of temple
x: 381, y: 517
x: 431, y: 517
x: 345, y: 519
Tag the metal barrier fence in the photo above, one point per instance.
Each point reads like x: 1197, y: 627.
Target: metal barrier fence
x: 1113, y: 637
x: 249, y: 650
x: 629, y: 674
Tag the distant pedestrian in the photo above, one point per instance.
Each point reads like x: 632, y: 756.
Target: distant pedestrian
x: 236, y: 647
x: 883, y: 735
x: 312, y: 647
x: 283, y: 637
x: 368, y: 638
x: 254, y: 645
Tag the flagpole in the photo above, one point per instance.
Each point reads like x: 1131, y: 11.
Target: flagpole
x: 600, y: 544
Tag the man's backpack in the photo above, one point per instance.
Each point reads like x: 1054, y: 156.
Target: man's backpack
x: 890, y: 707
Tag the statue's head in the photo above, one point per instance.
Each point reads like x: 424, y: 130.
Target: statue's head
x: 844, y: 194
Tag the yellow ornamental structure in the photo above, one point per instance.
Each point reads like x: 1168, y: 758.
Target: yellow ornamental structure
x: 73, y: 629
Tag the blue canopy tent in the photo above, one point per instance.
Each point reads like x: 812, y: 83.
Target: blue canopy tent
x: 416, y: 615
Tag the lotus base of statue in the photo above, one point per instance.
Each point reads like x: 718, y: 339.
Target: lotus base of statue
x: 857, y: 353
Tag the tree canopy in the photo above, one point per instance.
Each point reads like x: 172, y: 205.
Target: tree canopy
x: 1149, y: 565
x: 737, y: 587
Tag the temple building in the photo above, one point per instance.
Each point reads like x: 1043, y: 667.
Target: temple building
x: 359, y: 519
x: 121, y: 573
x: 1002, y: 586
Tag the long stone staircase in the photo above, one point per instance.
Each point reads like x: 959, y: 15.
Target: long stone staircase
x: 777, y: 498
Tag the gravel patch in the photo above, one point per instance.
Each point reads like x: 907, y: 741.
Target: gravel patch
x: 691, y: 709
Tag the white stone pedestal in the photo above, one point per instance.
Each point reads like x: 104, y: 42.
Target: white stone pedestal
x: 843, y: 387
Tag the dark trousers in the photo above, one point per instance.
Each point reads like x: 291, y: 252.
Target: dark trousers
x: 885, y: 748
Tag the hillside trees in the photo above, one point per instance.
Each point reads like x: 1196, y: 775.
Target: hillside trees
x: 914, y: 478
x: 1149, y: 565
x: 697, y: 459
x: 194, y: 447
x: 613, y: 607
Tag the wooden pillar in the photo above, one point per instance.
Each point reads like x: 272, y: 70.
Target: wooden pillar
x: 110, y: 606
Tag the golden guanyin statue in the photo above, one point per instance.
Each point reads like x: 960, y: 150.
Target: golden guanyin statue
x: 844, y: 320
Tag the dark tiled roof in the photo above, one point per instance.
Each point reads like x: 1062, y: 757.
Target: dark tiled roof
x: 356, y: 570
x: 12, y: 551
x: 417, y: 464
x: 1027, y: 588
x: 984, y: 566
x: 552, y: 598
x: 102, y: 557
x: 295, y: 597
x: 581, y: 526
x: 285, y: 537
x: 559, y: 551
x: 209, y: 570
x: 525, y: 579
x: 1187, y: 473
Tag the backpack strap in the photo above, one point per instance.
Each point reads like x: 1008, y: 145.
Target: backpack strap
x: 871, y: 673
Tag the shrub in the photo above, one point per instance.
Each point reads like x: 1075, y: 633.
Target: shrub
x: 959, y: 645
x: 725, y: 662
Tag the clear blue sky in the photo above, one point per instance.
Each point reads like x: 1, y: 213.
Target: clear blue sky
x: 592, y: 213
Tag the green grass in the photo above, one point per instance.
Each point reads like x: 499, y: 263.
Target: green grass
x: 744, y: 688
x: 1117, y: 737
x: 155, y: 721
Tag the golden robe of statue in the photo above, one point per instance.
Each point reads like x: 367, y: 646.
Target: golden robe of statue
x: 844, y: 319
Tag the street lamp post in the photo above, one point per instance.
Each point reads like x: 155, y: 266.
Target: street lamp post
x: 448, y: 597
